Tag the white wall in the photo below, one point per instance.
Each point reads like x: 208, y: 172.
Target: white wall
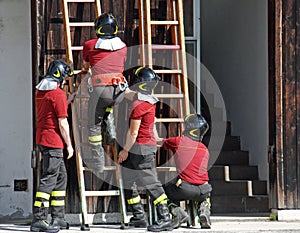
x: 16, y: 107
x: 234, y: 49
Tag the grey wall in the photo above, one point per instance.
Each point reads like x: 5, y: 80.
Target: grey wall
x: 234, y: 49
x: 16, y: 107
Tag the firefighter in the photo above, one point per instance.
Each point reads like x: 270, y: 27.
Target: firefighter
x: 191, y: 159
x: 51, y: 134
x: 137, y: 155
x: 105, y: 56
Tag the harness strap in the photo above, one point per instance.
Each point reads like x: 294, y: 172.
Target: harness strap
x: 112, y: 79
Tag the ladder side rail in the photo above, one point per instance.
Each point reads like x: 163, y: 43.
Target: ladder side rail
x: 120, y: 184
x: 79, y: 163
x: 148, y: 34
x: 67, y: 30
x: 176, y: 78
x: 183, y: 55
x: 97, y: 8
x: 142, y: 33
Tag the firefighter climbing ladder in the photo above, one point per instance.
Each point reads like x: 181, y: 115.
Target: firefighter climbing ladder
x: 178, y: 69
x: 77, y: 118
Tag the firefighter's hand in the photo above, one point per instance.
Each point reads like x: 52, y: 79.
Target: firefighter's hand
x: 123, y: 155
x: 71, y: 97
x: 70, y: 151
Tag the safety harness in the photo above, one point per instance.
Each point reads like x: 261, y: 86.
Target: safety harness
x: 111, y: 79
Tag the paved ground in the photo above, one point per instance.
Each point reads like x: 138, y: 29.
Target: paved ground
x: 219, y: 224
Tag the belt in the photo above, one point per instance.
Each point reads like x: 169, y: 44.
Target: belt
x: 180, y: 181
x: 111, y: 79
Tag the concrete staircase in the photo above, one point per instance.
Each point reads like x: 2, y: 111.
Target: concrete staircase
x: 236, y: 184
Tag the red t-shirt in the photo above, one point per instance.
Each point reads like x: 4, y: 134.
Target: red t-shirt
x: 104, y: 61
x: 191, y: 158
x: 145, y: 112
x: 50, y: 105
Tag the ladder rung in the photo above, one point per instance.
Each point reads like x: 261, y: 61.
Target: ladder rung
x: 171, y: 120
x: 77, y: 71
x: 160, y: 22
x: 83, y: 1
x: 168, y: 71
x: 165, y: 47
x: 77, y: 48
x: 165, y: 96
x: 166, y: 169
x: 81, y: 24
x: 102, y: 193
x: 106, y: 168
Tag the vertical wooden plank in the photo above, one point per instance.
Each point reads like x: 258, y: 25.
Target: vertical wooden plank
x: 272, y: 105
x: 297, y: 204
x: 289, y: 93
x: 278, y: 109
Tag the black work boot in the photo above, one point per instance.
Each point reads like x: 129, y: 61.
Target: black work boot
x: 179, y: 216
x: 139, y: 219
x: 95, y: 159
x: 42, y: 226
x: 204, y: 214
x: 60, y: 222
x: 164, y: 222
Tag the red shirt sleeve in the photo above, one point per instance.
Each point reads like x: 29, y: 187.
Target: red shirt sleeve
x: 171, y: 143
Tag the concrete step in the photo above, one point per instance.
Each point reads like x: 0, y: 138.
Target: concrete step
x: 230, y: 143
x: 239, y: 187
x: 238, y: 157
x: 237, y: 172
x: 243, y: 173
x: 239, y: 204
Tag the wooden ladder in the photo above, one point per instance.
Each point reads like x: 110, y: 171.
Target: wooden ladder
x: 79, y: 121
x: 177, y: 71
x: 178, y: 68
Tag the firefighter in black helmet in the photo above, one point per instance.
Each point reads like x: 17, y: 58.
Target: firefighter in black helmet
x: 105, y: 58
x: 139, y: 151
x: 191, y: 158
x: 52, y: 134
x: 106, y: 26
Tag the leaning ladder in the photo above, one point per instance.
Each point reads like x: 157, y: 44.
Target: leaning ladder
x: 178, y: 68
x: 78, y: 126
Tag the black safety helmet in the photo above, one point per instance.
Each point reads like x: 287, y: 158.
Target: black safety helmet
x: 106, y: 26
x: 58, y: 70
x: 195, y: 126
x: 145, y: 80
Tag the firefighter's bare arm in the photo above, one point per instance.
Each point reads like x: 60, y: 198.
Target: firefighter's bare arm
x: 130, y: 139
x: 65, y: 132
x: 158, y: 139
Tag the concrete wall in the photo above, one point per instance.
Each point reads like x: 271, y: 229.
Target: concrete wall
x: 16, y: 108
x: 234, y: 49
